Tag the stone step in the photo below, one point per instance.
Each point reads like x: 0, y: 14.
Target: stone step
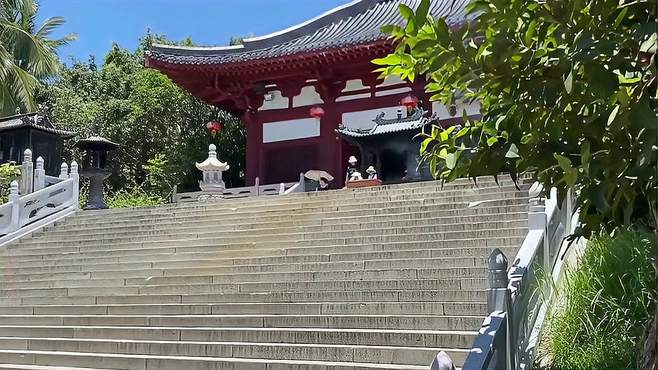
x: 245, y: 350
x: 43, y: 367
x: 261, y: 256
x: 153, y: 362
x: 265, y: 227
x: 205, y: 284
x: 336, y: 217
x: 131, y: 296
x: 134, y: 276
x: 494, y: 199
x: 308, y: 308
x: 253, y: 321
x: 318, y: 211
x: 279, y: 233
x: 225, y: 266
x: 323, y: 196
x: 126, y: 254
x: 283, y: 240
x: 380, y: 337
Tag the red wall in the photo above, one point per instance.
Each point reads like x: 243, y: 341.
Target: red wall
x: 297, y: 155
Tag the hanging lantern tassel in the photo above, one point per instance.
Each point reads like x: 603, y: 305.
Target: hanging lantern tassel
x: 214, y: 127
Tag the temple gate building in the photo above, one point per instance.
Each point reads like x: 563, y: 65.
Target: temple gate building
x: 293, y: 89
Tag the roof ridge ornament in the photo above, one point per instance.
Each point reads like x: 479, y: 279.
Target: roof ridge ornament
x: 415, y: 116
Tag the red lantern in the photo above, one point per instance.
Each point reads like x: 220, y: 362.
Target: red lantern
x: 409, y: 101
x: 316, y: 112
x: 214, y: 127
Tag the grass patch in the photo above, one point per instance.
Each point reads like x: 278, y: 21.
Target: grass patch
x: 601, y: 308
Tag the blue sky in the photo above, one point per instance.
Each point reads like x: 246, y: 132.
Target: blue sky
x: 98, y: 23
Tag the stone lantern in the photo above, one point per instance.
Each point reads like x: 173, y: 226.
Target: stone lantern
x: 212, y: 169
x: 95, y: 150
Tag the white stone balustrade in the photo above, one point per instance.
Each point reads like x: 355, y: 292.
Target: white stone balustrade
x: 38, y: 199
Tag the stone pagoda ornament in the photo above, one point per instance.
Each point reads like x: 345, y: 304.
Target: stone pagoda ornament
x: 95, y: 150
x: 212, y: 169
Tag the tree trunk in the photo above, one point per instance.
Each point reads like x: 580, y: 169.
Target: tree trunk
x: 646, y: 359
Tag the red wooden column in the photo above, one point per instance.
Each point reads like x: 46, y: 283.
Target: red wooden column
x: 330, y: 150
x: 254, y: 143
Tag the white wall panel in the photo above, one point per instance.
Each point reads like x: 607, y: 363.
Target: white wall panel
x: 291, y: 129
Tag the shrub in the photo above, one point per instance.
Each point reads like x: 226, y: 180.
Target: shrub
x: 133, y: 198
x: 8, y: 173
x: 603, y: 306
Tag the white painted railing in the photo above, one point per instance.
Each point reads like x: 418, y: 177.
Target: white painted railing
x: 44, y: 199
x: 507, y: 337
x: 243, y: 192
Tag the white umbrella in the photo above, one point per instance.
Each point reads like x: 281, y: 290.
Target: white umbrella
x: 317, y: 175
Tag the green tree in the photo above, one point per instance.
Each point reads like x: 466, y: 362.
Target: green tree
x: 160, y: 127
x: 567, y: 89
x: 28, y: 55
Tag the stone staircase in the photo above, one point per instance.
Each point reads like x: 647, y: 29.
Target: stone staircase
x: 377, y: 278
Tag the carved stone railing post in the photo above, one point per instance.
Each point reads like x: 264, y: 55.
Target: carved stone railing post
x: 75, y: 176
x: 302, y: 182
x: 64, y: 171
x: 39, y: 175
x: 497, y: 294
x: 257, y: 187
x: 442, y: 362
x: 14, y: 199
x: 282, y: 188
x: 27, y: 173
x: 498, y: 299
x: 537, y: 220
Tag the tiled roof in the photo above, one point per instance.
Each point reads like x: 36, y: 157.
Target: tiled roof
x: 355, y: 23
x: 385, y: 126
x: 35, y: 121
x: 96, y: 142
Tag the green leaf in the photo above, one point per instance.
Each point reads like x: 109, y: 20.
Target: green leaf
x: 391, y: 29
x: 462, y: 132
x: 406, y: 12
x: 391, y: 59
x: 421, y: 13
x: 424, y: 144
x: 649, y: 45
x: 527, y: 38
x: 491, y: 141
x: 570, y: 173
x: 613, y: 114
x: 512, y: 152
x: 452, y: 158
x: 568, y: 82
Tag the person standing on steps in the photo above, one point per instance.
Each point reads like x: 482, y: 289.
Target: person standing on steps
x: 372, y: 173
x: 352, y: 172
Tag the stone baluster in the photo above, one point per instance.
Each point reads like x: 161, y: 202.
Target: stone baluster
x: 64, y: 171
x: 497, y: 293
x: 14, y: 199
x: 302, y: 182
x: 75, y: 176
x: 257, y: 187
x: 27, y: 173
x: 498, y: 299
x: 282, y: 188
x: 39, y: 175
x: 442, y: 362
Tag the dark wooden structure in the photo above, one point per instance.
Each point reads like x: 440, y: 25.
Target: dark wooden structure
x: 294, y: 87
x: 391, y: 145
x: 36, y: 132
